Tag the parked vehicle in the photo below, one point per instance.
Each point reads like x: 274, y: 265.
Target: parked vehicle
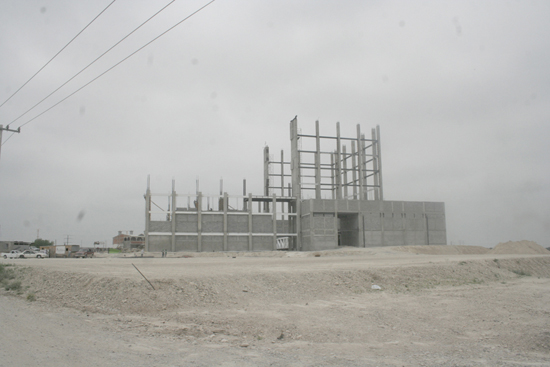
x: 13, y: 254
x: 84, y: 253
x: 28, y: 254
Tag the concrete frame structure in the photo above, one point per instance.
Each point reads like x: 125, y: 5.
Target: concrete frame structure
x: 325, y: 196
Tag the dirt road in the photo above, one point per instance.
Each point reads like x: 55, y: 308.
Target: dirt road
x: 432, y: 310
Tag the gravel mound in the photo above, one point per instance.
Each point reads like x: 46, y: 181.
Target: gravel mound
x: 519, y: 247
x: 113, y: 295
x: 443, y: 250
x: 429, y: 312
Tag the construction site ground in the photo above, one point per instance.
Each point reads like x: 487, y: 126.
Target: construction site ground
x: 386, y: 306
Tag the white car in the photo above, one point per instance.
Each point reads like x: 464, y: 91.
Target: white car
x: 13, y: 254
x: 28, y: 254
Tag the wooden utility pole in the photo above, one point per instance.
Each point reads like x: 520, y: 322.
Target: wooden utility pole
x: 7, y: 128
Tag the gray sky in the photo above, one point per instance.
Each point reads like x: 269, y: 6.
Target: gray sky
x: 460, y: 91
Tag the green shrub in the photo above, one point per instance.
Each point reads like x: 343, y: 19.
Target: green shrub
x: 6, y: 274
x: 13, y: 286
x: 521, y: 273
x: 31, y: 297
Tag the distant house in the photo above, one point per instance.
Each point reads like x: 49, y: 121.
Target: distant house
x: 128, y: 240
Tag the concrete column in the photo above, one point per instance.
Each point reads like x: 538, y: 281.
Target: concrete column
x: 199, y: 222
x: 266, y: 176
x: 404, y: 223
x: 245, y: 203
x: 345, y: 171
x: 364, y: 168
x: 354, y: 169
x: 379, y: 155
x: 299, y: 225
x: 376, y: 180
x: 274, y: 213
x: 336, y: 221
x: 332, y: 179
x: 295, y: 159
x: 147, y: 212
x: 173, y: 217
x: 361, y: 229
x: 282, y: 173
x: 295, y: 173
x: 225, y: 206
x: 249, y: 222
x: 382, y: 216
x: 361, y: 164
x: 317, y: 162
x: 338, y: 161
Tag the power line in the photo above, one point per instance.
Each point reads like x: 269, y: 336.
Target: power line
x: 90, y: 64
x: 118, y: 63
x: 64, y: 47
x: 112, y: 67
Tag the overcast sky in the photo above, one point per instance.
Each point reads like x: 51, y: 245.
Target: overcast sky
x: 460, y: 90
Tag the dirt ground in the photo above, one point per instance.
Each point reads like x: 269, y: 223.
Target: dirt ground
x: 436, y: 306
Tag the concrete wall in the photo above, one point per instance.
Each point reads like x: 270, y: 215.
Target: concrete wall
x: 239, y: 236
x: 324, y: 224
x: 371, y: 223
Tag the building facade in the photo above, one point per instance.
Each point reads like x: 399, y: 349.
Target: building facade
x: 128, y: 240
x: 7, y: 246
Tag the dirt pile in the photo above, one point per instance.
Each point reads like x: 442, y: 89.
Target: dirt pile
x: 429, y: 310
x: 443, y: 250
x: 261, y: 306
x: 519, y: 247
x: 112, y: 295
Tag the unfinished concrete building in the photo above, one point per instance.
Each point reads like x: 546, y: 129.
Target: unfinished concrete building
x: 329, y: 194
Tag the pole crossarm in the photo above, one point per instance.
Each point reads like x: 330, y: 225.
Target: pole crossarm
x: 7, y: 128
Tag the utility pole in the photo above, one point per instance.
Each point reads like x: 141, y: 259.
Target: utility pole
x: 7, y: 128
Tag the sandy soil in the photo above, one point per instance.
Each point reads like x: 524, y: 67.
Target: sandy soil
x: 452, y: 306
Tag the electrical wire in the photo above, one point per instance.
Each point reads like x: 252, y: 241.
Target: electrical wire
x: 90, y: 64
x: 114, y: 66
x: 64, y: 47
x: 120, y: 62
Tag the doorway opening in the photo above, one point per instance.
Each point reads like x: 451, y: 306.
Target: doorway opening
x: 348, y: 229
